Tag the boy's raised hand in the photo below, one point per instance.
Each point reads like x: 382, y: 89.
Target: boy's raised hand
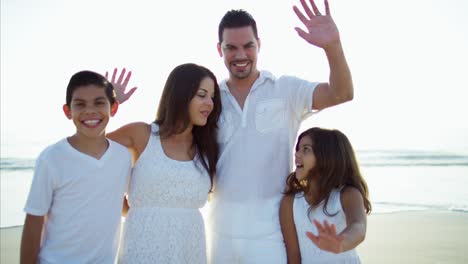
x: 121, y: 85
x: 327, y: 238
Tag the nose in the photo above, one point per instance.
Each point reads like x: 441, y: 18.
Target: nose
x: 240, y: 54
x: 297, y: 154
x: 209, y: 102
x: 89, y: 109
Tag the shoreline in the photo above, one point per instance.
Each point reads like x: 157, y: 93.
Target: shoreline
x: 414, y: 237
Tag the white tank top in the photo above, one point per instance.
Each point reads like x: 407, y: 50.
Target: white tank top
x: 310, y: 253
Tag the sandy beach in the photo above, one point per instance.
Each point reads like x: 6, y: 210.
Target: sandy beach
x: 403, y: 237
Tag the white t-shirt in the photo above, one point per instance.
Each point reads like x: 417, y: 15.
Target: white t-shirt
x: 256, y: 145
x: 82, y: 199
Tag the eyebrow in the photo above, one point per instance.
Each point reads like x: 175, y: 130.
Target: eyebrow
x: 95, y: 99
x: 250, y: 43
x: 206, y: 91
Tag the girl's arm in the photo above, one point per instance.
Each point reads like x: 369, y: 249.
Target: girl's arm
x: 288, y: 228
x: 356, y: 218
x: 355, y: 231
x: 31, y: 239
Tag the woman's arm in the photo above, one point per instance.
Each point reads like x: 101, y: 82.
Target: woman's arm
x: 134, y: 136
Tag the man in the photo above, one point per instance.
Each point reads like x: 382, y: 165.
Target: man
x: 258, y: 126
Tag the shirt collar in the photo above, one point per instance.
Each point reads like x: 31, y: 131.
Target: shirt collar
x: 264, y: 76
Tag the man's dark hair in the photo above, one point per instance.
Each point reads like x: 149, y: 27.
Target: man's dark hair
x: 236, y: 19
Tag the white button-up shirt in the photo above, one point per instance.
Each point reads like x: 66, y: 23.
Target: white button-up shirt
x: 256, y: 146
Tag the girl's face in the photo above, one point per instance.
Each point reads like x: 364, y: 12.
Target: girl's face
x: 305, y: 158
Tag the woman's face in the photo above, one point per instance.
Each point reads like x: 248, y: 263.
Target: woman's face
x: 202, y: 104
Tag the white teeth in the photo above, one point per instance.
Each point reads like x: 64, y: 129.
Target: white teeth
x: 91, y: 122
x: 241, y: 64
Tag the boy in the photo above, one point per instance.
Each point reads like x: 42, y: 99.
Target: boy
x: 75, y: 201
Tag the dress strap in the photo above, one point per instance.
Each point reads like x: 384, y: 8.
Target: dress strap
x: 154, y: 128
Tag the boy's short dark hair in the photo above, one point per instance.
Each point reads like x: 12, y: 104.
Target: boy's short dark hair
x: 236, y: 19
x: 84, y: 78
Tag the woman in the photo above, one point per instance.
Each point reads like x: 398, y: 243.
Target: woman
x: 175, y: 162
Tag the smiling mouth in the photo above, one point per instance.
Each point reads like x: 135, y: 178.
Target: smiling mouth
x: 91, y: 123
x: 205, y: 113
x: 240, y: 64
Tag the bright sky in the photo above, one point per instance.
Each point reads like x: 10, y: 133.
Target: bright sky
x: 408, y: 60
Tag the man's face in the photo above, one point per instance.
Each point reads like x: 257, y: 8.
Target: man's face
x: 239, y: 49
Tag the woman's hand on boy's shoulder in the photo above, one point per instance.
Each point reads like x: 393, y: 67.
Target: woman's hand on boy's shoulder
x: 120, y: 85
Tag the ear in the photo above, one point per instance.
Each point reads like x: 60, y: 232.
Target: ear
x: 220, y: 50
x: 259, y: 43
x: 67, y: 111
x: 114, y: 108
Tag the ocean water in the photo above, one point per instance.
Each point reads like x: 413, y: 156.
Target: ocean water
x: 398, y: 180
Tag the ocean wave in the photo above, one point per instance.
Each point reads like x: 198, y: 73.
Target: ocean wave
x: 410, y: 158
x: 392, y: 207
x: 14, y: 164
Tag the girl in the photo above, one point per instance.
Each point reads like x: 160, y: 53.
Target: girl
x: 328, y: 189
x: 175, y: 162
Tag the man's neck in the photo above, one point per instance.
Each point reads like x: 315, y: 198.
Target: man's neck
x: 240, y: 88
x: 244, y: 84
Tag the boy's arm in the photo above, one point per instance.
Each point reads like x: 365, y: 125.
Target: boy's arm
x: 31, y: 239
x: 288, y: 228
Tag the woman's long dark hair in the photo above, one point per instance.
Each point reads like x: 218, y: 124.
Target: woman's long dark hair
x: 336, y: 166
x: 173, y: 112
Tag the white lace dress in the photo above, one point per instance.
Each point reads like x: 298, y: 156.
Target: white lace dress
x: 310, y: 253
x: 164, y: 223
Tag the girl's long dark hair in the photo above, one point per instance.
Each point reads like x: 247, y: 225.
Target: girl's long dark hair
x: 336, y: 166
x: 173, y: 112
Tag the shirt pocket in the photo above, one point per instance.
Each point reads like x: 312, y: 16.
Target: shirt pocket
x: 270, y: 115
x: 226, y: 126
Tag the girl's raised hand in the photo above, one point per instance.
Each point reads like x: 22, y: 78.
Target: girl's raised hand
x: 327, y: 238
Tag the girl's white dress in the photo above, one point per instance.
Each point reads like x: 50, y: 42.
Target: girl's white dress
x: 310, y: 253
x: 164, y: 223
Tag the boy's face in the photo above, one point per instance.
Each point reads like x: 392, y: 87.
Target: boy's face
x: 239, y: 49
x: 90, y: 110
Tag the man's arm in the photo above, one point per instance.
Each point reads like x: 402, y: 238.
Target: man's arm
x: 31, y: 239
x: 323, y: 32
